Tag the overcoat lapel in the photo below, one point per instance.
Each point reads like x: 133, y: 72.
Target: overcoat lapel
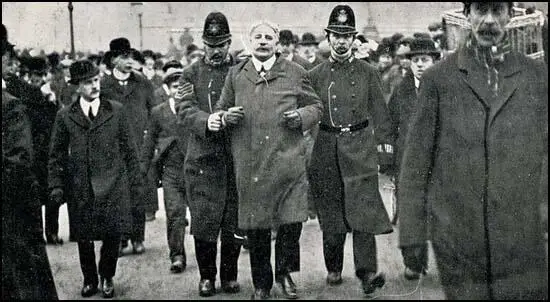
x: 78, y: 116
x: 104, y: 113
x: 511, y: 72
x: 475, y: 76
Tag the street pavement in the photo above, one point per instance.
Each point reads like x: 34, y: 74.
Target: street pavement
x: 147, y: 276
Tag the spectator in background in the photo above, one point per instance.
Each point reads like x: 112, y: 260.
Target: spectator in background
x: 389, y: 72
x: 149, y: 68
x: 192, y: 54
x: 308, y: 49
x: 162, y: 93
x: 287, y: 49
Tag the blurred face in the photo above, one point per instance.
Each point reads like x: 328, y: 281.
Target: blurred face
x: 194, y: 57
x: 488, y: 20
x: 173, y: 87
x: 66, y: 72
x: 384, y: 61
x: 419, y: 64
x: 10, y: 64
x: 286, y: 49
x: 124, y: 63
x: 216, y: 54
x: 149, y: 63
x: 404, y: 62
x: 263, y: 40
x: 308, y: 51
x: 340, y: 43
x: 89, y: 89
x: 37, y: 79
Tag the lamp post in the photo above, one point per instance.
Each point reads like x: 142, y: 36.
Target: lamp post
x: 138, y: 8
x: 70, y: 6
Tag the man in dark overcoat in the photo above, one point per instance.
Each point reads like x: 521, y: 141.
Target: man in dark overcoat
x: 209, y: 172
x: 164, y: 149
x: 287, y: 49
x: 135, y: 92
x: 473, y: 162
x: 355, y: 136
x: 422, y: 54
x: 26, y: 272
x: 267, y: 103
x: 93, y: 161
x: 308, y: 48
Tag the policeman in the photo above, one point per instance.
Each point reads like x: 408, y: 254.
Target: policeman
x: 355, y: 135
x: 208, y: 168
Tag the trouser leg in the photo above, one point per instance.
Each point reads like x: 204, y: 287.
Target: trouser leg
x: 109, y: 257
x: 52, y: 219
x: 333, y: 251
x: 230, y: 251
x: 176, y: 208
x: 287, y: 249
x: 206, y: 251
x: 260, y: 258
x: 88, y: 266
x: 364, y: 253
x: 138, y: 224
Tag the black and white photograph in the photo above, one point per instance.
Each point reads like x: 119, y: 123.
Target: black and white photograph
x: 274, y: 150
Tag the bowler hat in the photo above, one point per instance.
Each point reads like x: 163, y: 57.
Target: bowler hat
x: 423, y: 46
x: 286, y: 37
x: 37, y: 65
x: 172, y: 74
x: 82, y: 70
x: 308, y: 39
x: 6, y: 45
x: 216, y: 29
x: 118, y: 47
x: 171, y: 64
x: 341, y: 20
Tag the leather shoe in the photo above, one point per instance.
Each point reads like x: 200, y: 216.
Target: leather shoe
x: 334, y: 278
x: 177, y: 266
x: 88, y: 290
x: 287, y: 287
x: 108, y: 287
x: 231, y: 287
x: 54, y: 239
x: 206, y: 288
x: 410, y: 274
x: 138, y: 247
x: 260, y: 294
x: 371, y: 281
x: 123, y: 248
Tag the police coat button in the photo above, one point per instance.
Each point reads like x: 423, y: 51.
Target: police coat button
x: 353, y: 95
x: 334, y: 97
x: 213, y: 92
x: 335, y: 109
x: 353, y: 83
x: 255, y: 179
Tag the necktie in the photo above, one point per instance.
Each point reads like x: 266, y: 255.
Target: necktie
x: 262, y: 72
x: 91, y: 114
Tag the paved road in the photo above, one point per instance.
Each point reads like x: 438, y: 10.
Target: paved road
x: 147, y: 276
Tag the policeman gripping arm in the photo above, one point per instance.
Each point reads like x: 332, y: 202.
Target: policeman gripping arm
x: 225, y: 113
x: 383, y: 130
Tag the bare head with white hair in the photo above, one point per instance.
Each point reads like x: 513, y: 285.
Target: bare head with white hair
x: 264, y: 37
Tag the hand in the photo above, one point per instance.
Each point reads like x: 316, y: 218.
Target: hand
x: 415, y: 257
x: 292, y: 119
x: 184, y: 91
x: 46, y: 90
x: 387, y: 169
x: 215, y: 121
x: 233, y: 116
x: 56, y: 196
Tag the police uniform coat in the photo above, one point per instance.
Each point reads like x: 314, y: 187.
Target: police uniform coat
x: 472, y: 167
x: 269, y: 158
x: 96, y: 165
x: 343, y: 173
x: 209, y: 173
x: 26, y: 273
x: 138, y: 100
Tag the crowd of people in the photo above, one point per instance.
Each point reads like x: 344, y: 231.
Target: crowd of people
x: 255, y: 142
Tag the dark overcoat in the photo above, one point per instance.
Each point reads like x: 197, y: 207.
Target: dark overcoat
x: 137, y: 97
x: 26, y: 273
x: 269, y: 158
x: 96, y: 165
x: 472, y: 169
x: 343, y: 173
x: 401, y: 107
x: 42, y: 116
x: 208, y: 168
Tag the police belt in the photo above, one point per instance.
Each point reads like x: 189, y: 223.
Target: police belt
x: 349, y: 128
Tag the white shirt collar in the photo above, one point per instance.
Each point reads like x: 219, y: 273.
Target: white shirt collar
x: 267, y: 64
x: 312, y: 59
x: 86, y: 106
x: 172, y: 104
x: 4, y: 84
x: 416, y: 82
x: 290, y: 57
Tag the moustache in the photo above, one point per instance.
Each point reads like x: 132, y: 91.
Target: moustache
x: 488, y: 31
x: 263, y: 48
